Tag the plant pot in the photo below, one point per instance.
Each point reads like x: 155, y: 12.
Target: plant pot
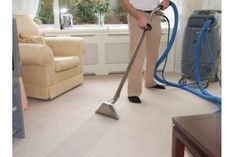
x: 100, y: 19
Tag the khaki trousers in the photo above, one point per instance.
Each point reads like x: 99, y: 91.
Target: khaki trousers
x: 148, y: 49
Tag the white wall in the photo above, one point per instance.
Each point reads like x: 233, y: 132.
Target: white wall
x: 185, y: 8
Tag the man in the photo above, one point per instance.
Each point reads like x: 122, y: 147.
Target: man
x: 139, y: 12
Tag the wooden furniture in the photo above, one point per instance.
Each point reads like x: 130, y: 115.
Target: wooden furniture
x: 201, y: 134
x: 24, y: 100
x: 17, y: 115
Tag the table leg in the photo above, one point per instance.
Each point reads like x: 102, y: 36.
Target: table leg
x: 24, y: 100
x: 177, y: 145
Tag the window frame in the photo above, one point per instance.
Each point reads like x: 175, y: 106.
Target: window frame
x: 56, y: 13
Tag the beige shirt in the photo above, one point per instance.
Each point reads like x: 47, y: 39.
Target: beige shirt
x: 144, y: 4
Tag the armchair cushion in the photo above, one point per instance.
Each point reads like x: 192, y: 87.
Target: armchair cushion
x: 64, y: 46
x: 65, y: 63
x: 35, y: 39
x: 35, y: 54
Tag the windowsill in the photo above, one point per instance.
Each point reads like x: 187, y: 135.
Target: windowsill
x: 90, y: 29
x: 86, y: 29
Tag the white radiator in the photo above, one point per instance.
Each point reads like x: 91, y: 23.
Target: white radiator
x: 91, y: 54
x: 107, y: 49
x: 116, y: 53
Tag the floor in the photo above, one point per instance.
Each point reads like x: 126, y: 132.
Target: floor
x: 68, y: 127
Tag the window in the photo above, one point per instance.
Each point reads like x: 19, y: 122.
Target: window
x: 82, y: 11
x: 45, y: 13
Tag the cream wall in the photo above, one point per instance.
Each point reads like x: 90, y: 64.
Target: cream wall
x: 185, y: 8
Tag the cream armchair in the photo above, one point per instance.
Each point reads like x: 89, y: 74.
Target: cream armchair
x: 49, y: 69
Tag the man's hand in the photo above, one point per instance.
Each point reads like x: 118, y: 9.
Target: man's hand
x: 165, y: 4
x: 142, y: 21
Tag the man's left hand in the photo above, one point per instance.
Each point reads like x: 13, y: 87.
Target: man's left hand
x: 165, y: 4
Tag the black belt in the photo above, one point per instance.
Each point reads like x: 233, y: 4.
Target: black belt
x: 146, y: 11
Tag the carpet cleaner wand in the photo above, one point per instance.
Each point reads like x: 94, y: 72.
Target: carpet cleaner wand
x: 107, y: 108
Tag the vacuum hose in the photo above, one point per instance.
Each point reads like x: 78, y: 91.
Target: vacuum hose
x: 202, y: 92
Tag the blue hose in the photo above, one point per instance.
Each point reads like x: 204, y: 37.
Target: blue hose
x: 200, y: 39
x: 202, y: 92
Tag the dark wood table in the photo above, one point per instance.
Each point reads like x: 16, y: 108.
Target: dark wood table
x: 201, y: 134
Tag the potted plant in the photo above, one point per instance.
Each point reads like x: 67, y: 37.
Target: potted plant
x: 101, y: 7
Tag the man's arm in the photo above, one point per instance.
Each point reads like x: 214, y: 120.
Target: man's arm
x: 142, y: 21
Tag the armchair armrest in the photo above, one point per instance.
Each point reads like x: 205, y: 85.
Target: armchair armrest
x: 35, y: 54
x: 64, y: 46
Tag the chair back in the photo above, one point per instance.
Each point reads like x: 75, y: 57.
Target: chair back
x: 26, y: 25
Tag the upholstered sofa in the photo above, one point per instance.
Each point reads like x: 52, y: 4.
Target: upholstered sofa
x: 50, y: 68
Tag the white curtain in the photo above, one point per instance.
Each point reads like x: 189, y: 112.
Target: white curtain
x: 185, y: 8
x: 25, y: 7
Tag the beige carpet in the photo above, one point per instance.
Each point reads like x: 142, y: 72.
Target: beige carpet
x: 68, y: 127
